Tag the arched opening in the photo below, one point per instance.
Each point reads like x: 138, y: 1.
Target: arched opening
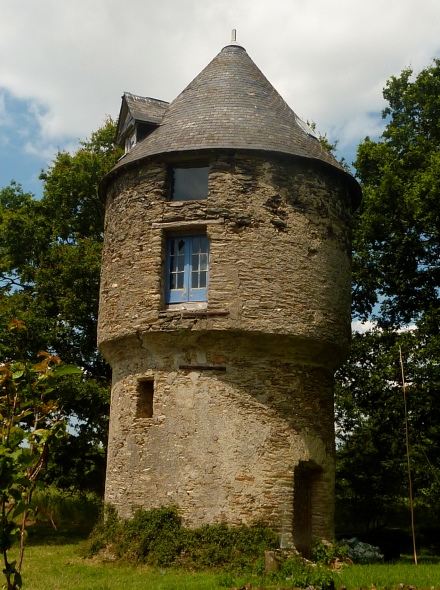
x: 306, y: 482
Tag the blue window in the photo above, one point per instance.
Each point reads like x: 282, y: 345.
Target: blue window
x: 187, y: 268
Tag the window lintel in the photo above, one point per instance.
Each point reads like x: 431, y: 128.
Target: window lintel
x: 199, y: 224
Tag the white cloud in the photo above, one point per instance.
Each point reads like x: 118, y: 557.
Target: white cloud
x: 329, y: 60
x: 362, y: 327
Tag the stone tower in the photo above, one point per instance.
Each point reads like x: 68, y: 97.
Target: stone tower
x: 225, y: 306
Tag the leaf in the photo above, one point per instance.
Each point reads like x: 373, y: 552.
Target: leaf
x: 16, y: 324
x: 19, y: 509
x: 41, y: 432
x: 15, y: 494
x: 18, y: 579
x: 62, y: 370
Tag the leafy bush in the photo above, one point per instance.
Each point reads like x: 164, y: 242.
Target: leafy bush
x: 152, y: 536
x: 294, y: 572
x: 326, y: 553
x: 220, y: 545
x: 299, y: 574
x: 157, y: 537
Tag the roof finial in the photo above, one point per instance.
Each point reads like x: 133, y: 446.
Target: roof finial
x: 234, y: 37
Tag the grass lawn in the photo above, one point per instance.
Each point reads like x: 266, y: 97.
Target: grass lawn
x: 53, y: 562
x: 389, y: 575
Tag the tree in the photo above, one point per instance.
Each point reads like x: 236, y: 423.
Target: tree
x: 30, y: 421
x: 372, y: 472
x: 397, y: 233
x: 396, y: 276
x: 50, y: 256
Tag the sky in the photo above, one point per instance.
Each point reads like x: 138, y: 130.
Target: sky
x: 65, y: 65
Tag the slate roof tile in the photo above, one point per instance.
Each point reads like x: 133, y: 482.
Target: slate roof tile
x: 229, y: 105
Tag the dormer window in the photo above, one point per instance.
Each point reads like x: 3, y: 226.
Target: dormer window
x: 189, y: 183
x: 130, y: 141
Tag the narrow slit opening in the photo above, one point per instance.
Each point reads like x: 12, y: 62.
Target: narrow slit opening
x: 145, y: 394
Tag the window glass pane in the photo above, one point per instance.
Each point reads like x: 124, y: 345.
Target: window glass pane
x: 177, y: 280
x: 203, y: 261
x: 199, y: 262
x: 177, y: 263
x: 194, y: 280
x: 199, y: 280
x: 190, y: 183
x: 195, y: 262
x: 203, y: 279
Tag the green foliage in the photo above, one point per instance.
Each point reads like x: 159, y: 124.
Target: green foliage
x: 30, y: 421
x: 303, y: 575
x: 50, y: 256
x: 293, y: 572
x: 220, y: 545
x: 397, y: 233
x: 152, y: 536
x: 396, y: 275
x: 66, y: 508
x: 325, y: 553
x: 156, y: 537
x: 105, y: 533
x: 372, y: 486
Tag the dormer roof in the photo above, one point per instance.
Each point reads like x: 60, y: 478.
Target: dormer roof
x: 138, y: 109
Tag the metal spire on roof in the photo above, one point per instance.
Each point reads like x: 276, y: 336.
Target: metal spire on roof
x: 234, y: 37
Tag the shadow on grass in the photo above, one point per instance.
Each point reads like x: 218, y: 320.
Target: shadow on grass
x: 43, y: 534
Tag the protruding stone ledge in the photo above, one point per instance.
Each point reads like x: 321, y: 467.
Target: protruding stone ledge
x: 183, y: 224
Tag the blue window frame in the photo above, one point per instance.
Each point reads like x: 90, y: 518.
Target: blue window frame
x: 187, y: 268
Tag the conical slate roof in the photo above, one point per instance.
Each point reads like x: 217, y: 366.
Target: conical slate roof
x: 230, y: 105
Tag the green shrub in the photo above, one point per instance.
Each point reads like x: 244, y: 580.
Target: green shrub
x: 156, y: 537
x: 219, y: 545
x: 105, y: 532
x: 294, y: 572
x: 325, y: 552
x: 151, y: 536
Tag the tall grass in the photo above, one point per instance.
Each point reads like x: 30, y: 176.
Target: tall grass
x: 390, y: 575
x: 60, y: 508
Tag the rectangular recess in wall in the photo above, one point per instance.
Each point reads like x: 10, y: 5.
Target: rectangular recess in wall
x: 144, y: 402
x: 201, y: 368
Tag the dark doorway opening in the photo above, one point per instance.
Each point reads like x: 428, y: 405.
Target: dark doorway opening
x: 306, y: 480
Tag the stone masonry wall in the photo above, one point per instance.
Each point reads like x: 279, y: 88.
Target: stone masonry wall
x: 243, y: 386
x: 279, y: 240
x: 222, y: 444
